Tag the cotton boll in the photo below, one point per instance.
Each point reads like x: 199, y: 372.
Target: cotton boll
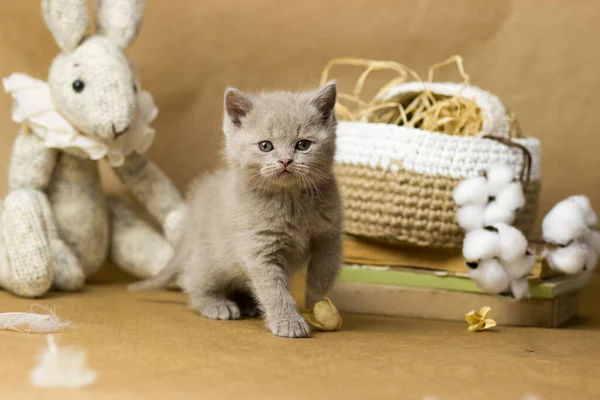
x: 498, y: 176
x: 592, y: 239
x: 563, y: 223
x: 591, y: 260
x: 519, y: 288
x: 481, y: 244
x: 513, y: 244
x: 569, y: 260
x: 496, y: 214
x: 471, y: 191
x: 470, y: 217
x: 511, y: 197
x: 584, y: 204
x: 490, y: 276
x: 521, y: 267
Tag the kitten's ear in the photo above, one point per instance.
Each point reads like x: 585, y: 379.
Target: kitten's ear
x: 237, y: 106
x: 324, y: 100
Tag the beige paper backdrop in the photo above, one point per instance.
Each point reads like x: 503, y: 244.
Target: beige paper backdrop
x: 540, y: 56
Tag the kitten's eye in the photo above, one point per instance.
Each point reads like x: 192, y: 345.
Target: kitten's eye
x: 265, y: 146
x: 135, y: 88
x: 78, y: 86
x: 303, y: 145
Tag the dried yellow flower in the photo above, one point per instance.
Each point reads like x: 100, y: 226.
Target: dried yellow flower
x: 324, y: 316
x: 479, y: 321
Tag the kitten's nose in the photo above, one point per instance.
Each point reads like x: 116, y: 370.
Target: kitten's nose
x: 285, y: 162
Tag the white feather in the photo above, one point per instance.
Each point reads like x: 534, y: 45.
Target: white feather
x: 511, y: 197
x: 471, y: 191
x: 32, y: 322
x: 513, y: 244
x: 563, y: 223
x: 490, y: 276
x: 519, y: 288
x: 497, y: 214
x: 521, y: 267
x: 480, y: 245
x: 498, y: 176
x: 569, y: 260
x: 584, y: 204
x: 470, y: 217
x: 62, y: 367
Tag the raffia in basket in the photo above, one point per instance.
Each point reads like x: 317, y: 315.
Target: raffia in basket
x: 397, y: 182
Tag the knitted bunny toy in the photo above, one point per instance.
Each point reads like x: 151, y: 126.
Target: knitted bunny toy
x: 57, y: 225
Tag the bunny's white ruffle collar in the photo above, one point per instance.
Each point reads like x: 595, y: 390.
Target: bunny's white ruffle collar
x: 33, y: 106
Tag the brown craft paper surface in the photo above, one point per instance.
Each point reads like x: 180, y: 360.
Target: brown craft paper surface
x: 149, y: 345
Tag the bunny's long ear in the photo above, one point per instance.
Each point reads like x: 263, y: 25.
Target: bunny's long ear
x: 119, y: 20
x: 67, y: 20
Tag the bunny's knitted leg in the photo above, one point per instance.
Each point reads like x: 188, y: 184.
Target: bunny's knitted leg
x: 26, y: 267
x: 135, y: 245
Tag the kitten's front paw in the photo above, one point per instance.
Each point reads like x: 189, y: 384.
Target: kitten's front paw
x: 221, y: 310
x: 290, y: 328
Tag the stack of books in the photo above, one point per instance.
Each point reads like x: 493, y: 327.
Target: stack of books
x: 434, y: 283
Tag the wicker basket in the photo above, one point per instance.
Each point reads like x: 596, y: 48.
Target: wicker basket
x: 397, y: 182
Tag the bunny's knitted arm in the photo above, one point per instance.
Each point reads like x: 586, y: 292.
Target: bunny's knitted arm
x: 31, y: 164
x: 155, y: 191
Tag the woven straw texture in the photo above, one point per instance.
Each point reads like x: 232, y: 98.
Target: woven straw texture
x: 409, y: 208
x: 396, y: 182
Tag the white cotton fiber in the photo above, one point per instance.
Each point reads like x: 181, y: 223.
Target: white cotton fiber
x: 521, y: 267
x: 62, y: 367
x: 519, y: 288
x: 569, y: 260
x: 496, y: 214
x: 513, y: 244
x: 481, y: 244
x: 584, y: 204
x: 470, y: 217
x: 592, y: 239
x: 511, y: 197
x: 563, y: 223
x: 490, y: 276
x: 498, y: 176
x: 471, y: 191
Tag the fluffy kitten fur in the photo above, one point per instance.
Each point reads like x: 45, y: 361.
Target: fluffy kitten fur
x: 269, y: 212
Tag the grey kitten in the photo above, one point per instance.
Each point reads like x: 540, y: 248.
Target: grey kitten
x: 273, y: 209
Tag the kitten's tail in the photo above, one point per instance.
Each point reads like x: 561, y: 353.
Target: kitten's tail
x: 160, y: 280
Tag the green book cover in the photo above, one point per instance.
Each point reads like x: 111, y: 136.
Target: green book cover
x: 428, y: 280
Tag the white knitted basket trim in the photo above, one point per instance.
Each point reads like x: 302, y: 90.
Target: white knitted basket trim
x: 495, y: 118
x: 392, y: 147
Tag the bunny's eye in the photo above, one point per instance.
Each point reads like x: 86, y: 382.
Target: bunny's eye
x: 78, y: 86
